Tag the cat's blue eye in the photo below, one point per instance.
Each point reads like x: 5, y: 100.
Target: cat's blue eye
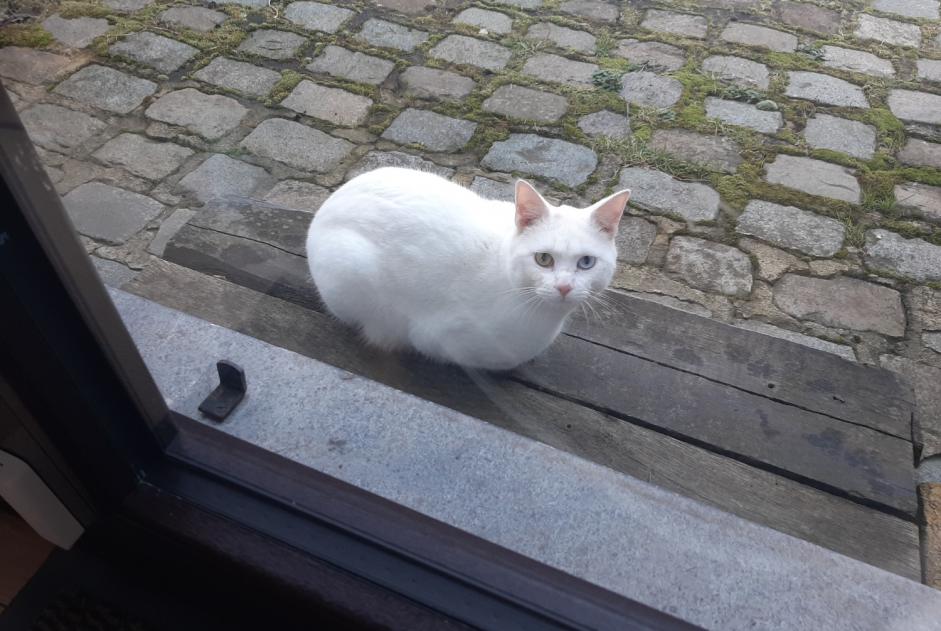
x: 543, y: 259
x: 586, y: 262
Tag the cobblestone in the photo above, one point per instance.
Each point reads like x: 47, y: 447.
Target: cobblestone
x: 107, y: 89
x: 839, y: 134
x: 57, y: 128
x: 32, y: 66
x: 714, y: 152
x: 296, y: 145
x: 391, y: 35
x: 929, y: 69
x: 856, y: 61
x: 791, y: 227
x: 920, y: 153
x: 682, y: 24
x: 315, y: 16
x: 559, y: 69
x: 605, y: 123
x: 659, y: 193
x: 920, y: 107
x: 888, y: 31
x: 330, y: 104
x: 909, y: 8
x: 377, y: 159
x: 844, y: 303
x: 824, y: 89
x: 760, y: 36
x: 562, y: 36
x: 809, y: 17
x: 194, y: 18
x: 922, y: 199
x: 425, y: 82
x: 272, y: 44
x: 219, y: 176
x: 492, y: 189
x: 710, y: 266
x: 490, y: 21
x: 591, y: 9
x: 109, y: 214
x: 433, y: 131
x: 239, y: 76
x: 556, y: 159
x: 143, y: 157
x: 77, y: 32
x: 743, y: 72
x: 654, y: 55
x: 209, y: 115
x: 158, y: 52
x: 814, y: 177
x: 298, y: 195
x: 650, y: 90
x: 743, y: 115
x: 772, y: 262
x: 634, y: 238
x: 355, y: 66
x: 516, y: 101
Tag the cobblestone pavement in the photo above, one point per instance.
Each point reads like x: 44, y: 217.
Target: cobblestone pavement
x: 785, y: 156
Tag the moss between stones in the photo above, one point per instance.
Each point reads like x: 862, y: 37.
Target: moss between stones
x: 28, y: 36
x: 82, y: 9
x: 289, y: 80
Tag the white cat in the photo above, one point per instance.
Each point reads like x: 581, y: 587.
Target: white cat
x: 415, y: 261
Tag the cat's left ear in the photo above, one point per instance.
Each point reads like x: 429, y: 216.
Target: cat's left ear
x: 607, y: 213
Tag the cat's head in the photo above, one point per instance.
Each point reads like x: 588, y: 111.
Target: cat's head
x: 564, y: 254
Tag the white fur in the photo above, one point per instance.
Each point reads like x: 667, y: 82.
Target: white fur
x: 415, y: 261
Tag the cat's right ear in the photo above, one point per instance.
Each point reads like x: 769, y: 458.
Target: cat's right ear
x: 530, y: 206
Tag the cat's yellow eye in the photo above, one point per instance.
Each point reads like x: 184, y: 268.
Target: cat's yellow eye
x: 544, y: 259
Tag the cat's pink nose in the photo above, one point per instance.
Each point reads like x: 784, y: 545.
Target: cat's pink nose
x: 564, y: 289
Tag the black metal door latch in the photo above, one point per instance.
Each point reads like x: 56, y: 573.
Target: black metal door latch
x: 228, y: 394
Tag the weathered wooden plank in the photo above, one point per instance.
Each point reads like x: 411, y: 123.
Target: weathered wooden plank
x: 761, y: 364
x: 254, y: 264
x: 850, y: 459
x: 763, y: 497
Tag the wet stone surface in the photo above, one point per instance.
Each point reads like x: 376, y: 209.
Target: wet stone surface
x: 209, y: 115
x: 108, y: 213
x: 107, y: 89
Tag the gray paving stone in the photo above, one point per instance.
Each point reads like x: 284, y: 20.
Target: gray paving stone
x: 433, y: 83
x: 925, y: 304
x: 239, y: 76
x: 660, y: 193
x: 814, y: 177
x: 522, y: 4
x: 169, y: 227
x: 409, y: 7
x: 759, y: 36
x: 654, y: 55
x: 772, y: 262
x: 459, y: 49
x: 743, y: 115
x: 842, y: 302
x: 932, y: 341
x: 558, y: 69
x: 298, y: 195
x: 32, y: 66
x: 717, y: 153
x: 296, y: 145
x: 109, y: 214
x: 377, y: 159
x: 909, y: 8
x: 491, y: 21
x: 127, y: 6
x: 634, y: 238
x: 194, y: 18
x: 839, y: 134
x: 562, y: 36
x: 710, y: 266
x: 888, y: 31
x: 391, y: 35
x: 809, y: 17
x: 220, y: 175
x: 924, y: 380
x: 920, y: 153
x: 743, y: 72
x: 351, y: 65
x: 846, y: 352
x: 76, y: 32
x: 857, y: 61
x: 591, y: 9
x: 650, y: 90
x: 605, y: 123
x: 272, y: 44
x: 560, y: 160
x: 315, y: 16
x: 209, y: 115
x: 791, y: 227
x: 825, y: 89
x: 922, y: 199
x: 107, y: 89
x: 112, y: 273
x: 919, y: 107
x: 492, y: 189
x: 433, y: 131
x: 156, y: 51
x: 252, y: 4
x: 330, y: 104
x: 929, y: 69
x: 682, y: 24
x: 143, y: 157
x: 515, y: 101
x: 57, y: 128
